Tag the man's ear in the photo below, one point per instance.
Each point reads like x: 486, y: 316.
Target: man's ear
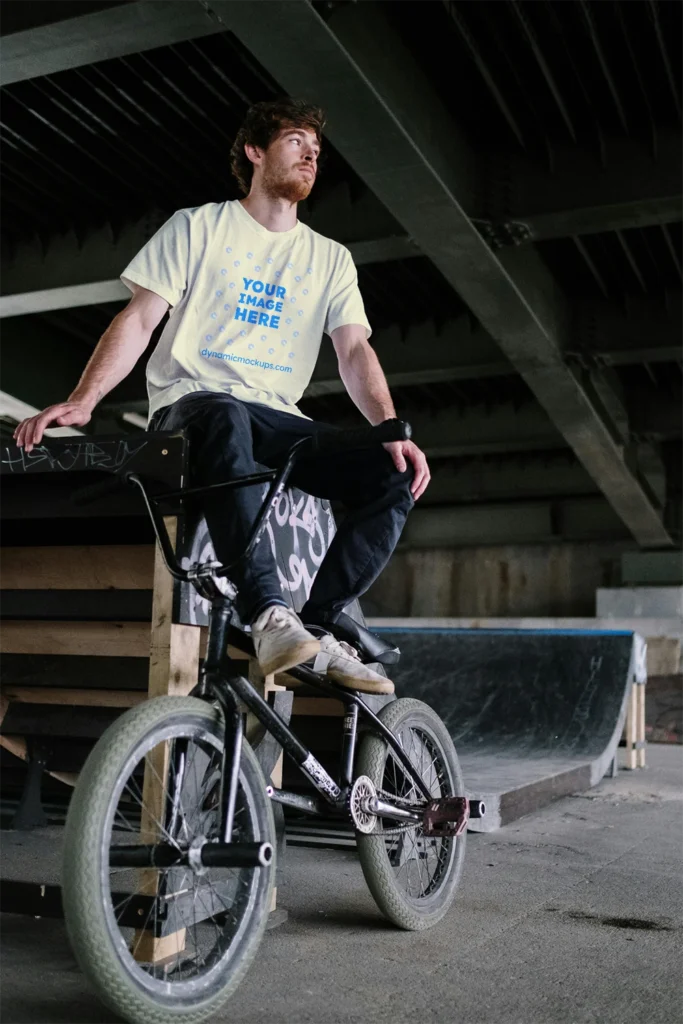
x: 254, y: 153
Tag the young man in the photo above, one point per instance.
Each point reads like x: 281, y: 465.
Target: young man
x: 251, y: 291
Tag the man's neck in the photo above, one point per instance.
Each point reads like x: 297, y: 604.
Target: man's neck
x: 272, y: 214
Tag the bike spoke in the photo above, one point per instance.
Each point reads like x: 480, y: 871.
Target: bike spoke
x: 205, y: 910
x: 420, y: 862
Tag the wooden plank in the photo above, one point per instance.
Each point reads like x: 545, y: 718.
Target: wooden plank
x: 631, y: 720
x: 103, y: 639
x: 73, y: 672
x: 174, y: 650
x: 122, y: 567
x: 640, y: 730
x: 173, y: 669
x: 58, y: 720
x: 324, y: 706
x: 77, y: 605
x: 83, y: 698
x: 17, y: 746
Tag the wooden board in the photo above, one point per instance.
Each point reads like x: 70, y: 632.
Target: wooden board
x: 327, y: 707
x: 79, y: 698
x: 103, y: 639
x: 121, y: 567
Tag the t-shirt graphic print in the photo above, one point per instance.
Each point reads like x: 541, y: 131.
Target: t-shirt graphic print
x: 249, y: 305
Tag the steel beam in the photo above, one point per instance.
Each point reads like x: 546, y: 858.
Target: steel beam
x: 388, y: 123
x: 628, y: 187
x: 114, y: 32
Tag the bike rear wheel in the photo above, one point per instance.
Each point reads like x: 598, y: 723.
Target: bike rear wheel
x: 412, y: 877
x: 163, y: 944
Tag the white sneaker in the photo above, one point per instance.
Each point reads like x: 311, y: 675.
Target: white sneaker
x: 341, y: 662
x: 280, y: 641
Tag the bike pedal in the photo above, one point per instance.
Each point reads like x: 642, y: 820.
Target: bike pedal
x: 446, y: 817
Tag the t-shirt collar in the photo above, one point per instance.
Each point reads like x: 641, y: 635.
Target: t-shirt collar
x: 274, y: 236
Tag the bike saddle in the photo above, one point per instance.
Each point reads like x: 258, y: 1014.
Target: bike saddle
x: 371, y: 647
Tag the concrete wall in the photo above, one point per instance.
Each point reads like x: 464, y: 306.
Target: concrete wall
x: 496, y: 581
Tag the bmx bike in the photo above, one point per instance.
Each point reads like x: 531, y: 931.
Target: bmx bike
x: 169, y: 855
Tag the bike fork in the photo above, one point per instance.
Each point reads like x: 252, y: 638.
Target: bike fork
x: 230, y: 770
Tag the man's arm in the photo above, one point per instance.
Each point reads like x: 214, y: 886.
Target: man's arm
x: 117, y: 352
x: 365, y: 382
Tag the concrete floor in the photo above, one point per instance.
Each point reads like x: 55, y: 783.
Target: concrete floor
x: 570, y: 915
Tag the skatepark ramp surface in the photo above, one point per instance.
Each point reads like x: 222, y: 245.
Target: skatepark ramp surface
x: 534, y: 714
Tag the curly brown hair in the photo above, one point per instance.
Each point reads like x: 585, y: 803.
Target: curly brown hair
x: 262, y: 124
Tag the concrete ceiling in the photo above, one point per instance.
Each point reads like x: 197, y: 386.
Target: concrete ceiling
x: 514, y: 210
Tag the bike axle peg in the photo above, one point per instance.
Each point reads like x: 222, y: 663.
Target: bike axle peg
x: 477, y: 808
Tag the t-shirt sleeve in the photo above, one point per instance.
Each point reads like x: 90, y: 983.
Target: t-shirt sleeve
x: 346, y: 302
x: 162, y: 264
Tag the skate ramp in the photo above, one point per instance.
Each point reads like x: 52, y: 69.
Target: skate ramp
x: 534, y: 714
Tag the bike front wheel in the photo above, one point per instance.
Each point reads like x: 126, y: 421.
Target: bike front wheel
x: 412, y: 877
x: 164, y: 945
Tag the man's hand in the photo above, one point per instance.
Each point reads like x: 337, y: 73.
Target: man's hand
x: 401, y: 451
x: 64, y: 414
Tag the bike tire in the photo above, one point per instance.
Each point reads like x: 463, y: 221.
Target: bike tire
x: 96, y: 944
x: 404, y: 909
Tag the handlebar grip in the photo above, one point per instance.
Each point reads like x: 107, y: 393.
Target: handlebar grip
x: 91, y: 492
x: 363, y: 437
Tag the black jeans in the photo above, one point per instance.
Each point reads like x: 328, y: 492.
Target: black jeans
x: 229, y: 438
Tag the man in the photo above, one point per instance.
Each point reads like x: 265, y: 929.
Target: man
x: 251, y: 291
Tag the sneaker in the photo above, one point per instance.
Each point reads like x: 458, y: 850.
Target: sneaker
x: 280, y: 641
x: 341, y: 662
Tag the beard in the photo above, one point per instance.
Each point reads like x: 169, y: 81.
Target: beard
x: 291, y: 186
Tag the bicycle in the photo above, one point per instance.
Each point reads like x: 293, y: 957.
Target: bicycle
x: 169, y: 862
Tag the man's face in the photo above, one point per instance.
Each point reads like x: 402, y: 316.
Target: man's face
x: 290, y: 164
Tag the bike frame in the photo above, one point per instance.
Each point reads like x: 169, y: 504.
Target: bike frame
x: 220, y: 679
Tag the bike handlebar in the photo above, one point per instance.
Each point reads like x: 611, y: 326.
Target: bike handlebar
x: 327, y: 442
x: 363, y: 437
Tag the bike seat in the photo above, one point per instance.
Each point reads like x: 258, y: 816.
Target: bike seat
x: 371, y: 647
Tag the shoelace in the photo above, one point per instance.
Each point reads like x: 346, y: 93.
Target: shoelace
x: 333, y: 646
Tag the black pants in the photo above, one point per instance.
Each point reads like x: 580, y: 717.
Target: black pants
x: 229, y: 438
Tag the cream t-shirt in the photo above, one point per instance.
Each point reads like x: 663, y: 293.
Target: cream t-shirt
x: 249, y: 305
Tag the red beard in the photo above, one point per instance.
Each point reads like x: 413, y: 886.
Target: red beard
x: 294, y: 188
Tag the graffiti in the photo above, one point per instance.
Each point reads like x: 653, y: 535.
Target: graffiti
x: 111, y: 455
x: 300, y: 512
x: 300, y: 531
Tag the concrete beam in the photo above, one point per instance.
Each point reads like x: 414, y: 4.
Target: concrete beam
x: 425, y: 353
x: 550, y: 474
x: 642, y: 331
x: 71, y: 271
x: 407, y: 150
x: 655, y: 416
x: 88, y: 38
x: 628, y: 185
x: 479, y: 430
x: 514, y: 522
